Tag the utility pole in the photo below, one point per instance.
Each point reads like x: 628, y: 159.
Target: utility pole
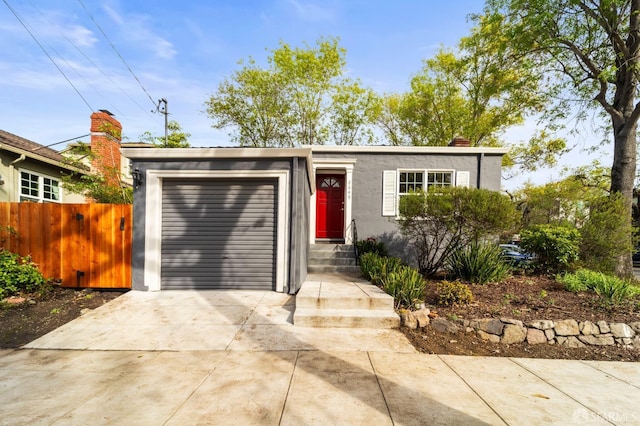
x: 164, y: 110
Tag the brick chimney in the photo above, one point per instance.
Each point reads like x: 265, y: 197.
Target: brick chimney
x: 106, y: 134
x: 460, y: 141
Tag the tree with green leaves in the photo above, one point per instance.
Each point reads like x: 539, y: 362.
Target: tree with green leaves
x: 564, y: 202
x: 103, y: 185
x: 589, y: 52
x: 477, y: 91
x: 582, y: 201
x: 176, y: 137
x: 301, y: 98
x: 443, y: 220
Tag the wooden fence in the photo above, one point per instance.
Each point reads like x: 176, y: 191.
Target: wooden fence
x: 83, y: 245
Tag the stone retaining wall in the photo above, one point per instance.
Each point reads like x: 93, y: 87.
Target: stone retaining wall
x: 568, y: 332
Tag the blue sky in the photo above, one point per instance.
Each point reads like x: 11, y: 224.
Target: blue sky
x: 182, y: 50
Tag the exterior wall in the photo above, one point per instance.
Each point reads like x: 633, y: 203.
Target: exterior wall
x: 298, y: 199
x: 484, y: 171
x: 301, y: 192
x: 10, y: 175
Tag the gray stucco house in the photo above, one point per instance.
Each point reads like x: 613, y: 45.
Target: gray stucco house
x: 246, y: 217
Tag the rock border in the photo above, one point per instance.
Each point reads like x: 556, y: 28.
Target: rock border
x: 566, y: 332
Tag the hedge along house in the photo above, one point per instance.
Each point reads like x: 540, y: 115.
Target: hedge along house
x: 245, y: 218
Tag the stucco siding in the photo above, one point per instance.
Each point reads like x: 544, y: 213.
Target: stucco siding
x: 297, y: 200
x: 367, y: 192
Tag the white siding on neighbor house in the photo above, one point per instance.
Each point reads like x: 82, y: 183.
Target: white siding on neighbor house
x: 10, y: 175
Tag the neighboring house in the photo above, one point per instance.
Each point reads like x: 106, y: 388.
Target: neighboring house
x: 105, y: 144
x: 30, y: 172
x: 246, y: 217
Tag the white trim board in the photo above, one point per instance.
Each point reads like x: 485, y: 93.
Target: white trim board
x: 153, y: 219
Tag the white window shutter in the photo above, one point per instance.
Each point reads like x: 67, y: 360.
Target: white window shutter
x: 462, y: 179
x: 389, y: 184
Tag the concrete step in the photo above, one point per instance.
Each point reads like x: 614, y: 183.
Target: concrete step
x: 334, y: 296
x: 332, y: 261
x: 330, y: 248
x: 343, y: 300
x: 346, y: 318
x: 332, y: 269
x: 324, y: 254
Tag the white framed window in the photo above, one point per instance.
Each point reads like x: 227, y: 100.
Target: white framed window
x: 410, y: 181
x: 38, y: 188
x: 396, y: 183
x: 439, y: 178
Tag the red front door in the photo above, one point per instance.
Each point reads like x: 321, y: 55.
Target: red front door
x: 329, y: 206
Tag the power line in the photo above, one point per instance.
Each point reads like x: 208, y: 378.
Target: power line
x: 91, y: 61
x: 58, y: 143
x: 117, y: 53
x: 47, y: 53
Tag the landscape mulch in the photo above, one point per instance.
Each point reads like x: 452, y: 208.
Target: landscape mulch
x: 525, y: 298
x: 38, y: 314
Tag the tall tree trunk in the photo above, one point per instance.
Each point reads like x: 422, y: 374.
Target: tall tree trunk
x: 623, y: 174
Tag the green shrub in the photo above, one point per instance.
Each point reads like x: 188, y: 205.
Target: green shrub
x: 574, y: 282
x: 370, y: 265
x: 405, y: 284
x: 556, y: 247
x: 438, y: 222
x: 371, y: 245
x: 606, y: 234
x: 611, y: 290
x: 453, y: 292
x: 388, y: 266
x: 17, y: 273
x: 375, y: 267
x: 479, y: 263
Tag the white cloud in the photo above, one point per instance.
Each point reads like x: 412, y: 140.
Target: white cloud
x: 113, y: 14
x: 307, y: 11
x: 164, y: 49
x: 52, y: 28
x: 80, y: 36
x: 138, y: 29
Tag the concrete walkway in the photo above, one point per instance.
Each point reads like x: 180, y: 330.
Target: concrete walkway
x: 234, y: 358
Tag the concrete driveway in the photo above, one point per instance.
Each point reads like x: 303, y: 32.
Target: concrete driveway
x: 225, y: 357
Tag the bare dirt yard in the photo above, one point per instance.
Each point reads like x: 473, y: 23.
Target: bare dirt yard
x: 524, y: 298
x: 29, y: 316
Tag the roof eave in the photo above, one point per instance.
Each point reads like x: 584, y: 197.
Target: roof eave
x: 40, y: 158
x: 409, y: 149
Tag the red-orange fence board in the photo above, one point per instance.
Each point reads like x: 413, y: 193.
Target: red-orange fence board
x: 83, y: 245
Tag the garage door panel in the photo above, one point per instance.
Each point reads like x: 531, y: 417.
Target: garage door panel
x: 213, y: 207
x: 207, y: 272
x: 205, y: 239
x: 205, y: 222
x: 219, y: 233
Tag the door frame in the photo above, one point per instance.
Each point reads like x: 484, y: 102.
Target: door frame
x: 341, y: 166
x: 153, y: 219
x: 333, y: 214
